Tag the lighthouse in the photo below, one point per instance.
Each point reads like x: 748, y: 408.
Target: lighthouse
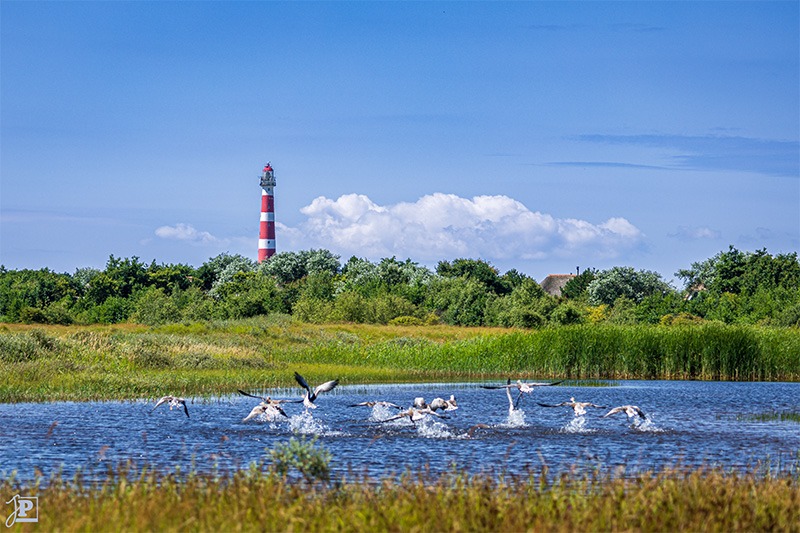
x: 266, y: 233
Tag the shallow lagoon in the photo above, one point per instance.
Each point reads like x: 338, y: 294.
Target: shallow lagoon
x: 689, y: 424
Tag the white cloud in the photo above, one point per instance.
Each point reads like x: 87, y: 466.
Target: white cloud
x: 686, y: 233
x: 186, y: 232
x: 443, y: 226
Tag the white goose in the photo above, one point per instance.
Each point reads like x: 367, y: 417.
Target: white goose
x: 269, y: 407
x: 415, y: 414
x: 523, y: 388
x: 630, y: 410
x: 444, y: 405
x: 173, y: 401
x: 578, y: 407
x: 310, y: 396
x: 374, y: 403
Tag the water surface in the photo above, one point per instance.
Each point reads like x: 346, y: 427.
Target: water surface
x: 689, y: 424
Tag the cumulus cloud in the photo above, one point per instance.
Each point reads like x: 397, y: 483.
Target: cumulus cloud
x: 441, y: 226
x: 186, y: 232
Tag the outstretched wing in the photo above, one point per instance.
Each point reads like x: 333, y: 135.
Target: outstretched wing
x: 251, y: 395
x: 185, y: 409
x: 302, y: 381
x: 165, y: 399
x: 545, y: 384
x: 615, y: 410
x: 326, y: 387
x: 553, y: 405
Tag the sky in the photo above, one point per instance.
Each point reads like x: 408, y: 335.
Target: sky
x: 538, y: 136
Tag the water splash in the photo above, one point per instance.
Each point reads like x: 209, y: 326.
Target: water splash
x: 516, y: 419
x: 646, y: 425
x: 305, y: 424
x: 577, y: 425
x: 381, y: 413
x: 433, y: 429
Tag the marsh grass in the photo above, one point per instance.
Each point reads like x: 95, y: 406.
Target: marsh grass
x: 215, y: 358
x: 259, y: 499
x: 774, y: 416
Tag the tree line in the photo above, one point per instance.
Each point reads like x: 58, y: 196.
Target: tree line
x: 315, y: 286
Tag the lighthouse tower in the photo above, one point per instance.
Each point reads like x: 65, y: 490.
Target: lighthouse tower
x: 266, y: 233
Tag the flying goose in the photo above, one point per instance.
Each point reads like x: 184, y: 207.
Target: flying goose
x: 269, y: 410
x: 630, y: 410
x: 173, y: 401
x: 526, y: 388
x: 374, y: 403
x: 414, y: 414
x: 444, y: 405
x: 578, y: 407
x: 310, y: 396
x: 268, y: 406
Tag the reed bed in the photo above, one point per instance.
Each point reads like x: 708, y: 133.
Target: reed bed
x: 216, y: 358
x: 261, y: 500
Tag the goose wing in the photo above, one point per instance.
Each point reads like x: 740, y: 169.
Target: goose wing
x: 544, y: 384
x: 185, y: 409
x: 164, y: 399
x: 251, y: 395
x: 562, y: 404
x: 615, y: 410
x: 302, y: 382
x: 325, y: 387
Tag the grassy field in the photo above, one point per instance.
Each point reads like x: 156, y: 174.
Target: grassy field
x: 262, y: 500
x: 45, y: 363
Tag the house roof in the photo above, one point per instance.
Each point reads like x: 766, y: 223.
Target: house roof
x: 554, y: 283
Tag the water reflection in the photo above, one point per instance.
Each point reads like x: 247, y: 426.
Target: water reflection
x: 682, y: 426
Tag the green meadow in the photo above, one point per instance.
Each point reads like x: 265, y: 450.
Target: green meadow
x: 49, y: 363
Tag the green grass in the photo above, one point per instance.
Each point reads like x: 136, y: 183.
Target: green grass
x: 256, y: 499
x: 215, y: 358
x: 774, y: 416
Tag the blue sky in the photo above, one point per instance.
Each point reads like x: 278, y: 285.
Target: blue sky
x: 539, y: 136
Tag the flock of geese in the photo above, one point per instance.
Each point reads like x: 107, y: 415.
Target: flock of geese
x: 271, y: 409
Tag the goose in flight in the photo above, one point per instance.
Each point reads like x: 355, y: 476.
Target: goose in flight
x: 578, y: 407
x: 526, y: 388
x: 173, y: 401
x: 310, y: 396
x: 374, y: 403
x: 415, y: 414
x: 630, y: 410
x: 271, y: 411
x: 268, y: 406
x: 444, y: 405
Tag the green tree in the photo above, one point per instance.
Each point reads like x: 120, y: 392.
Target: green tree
x: 617, y: 282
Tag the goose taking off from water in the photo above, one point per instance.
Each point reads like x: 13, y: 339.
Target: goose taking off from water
x: 414, y: 414
x: 268, y: 406
x: 526, y: 388
x: 630, y: 410
x: 310, y: 396
x: 271, y: 411
x: 444, y: 405
x: 578, y: 407
x: 173, y: 401
x: 374, y: 403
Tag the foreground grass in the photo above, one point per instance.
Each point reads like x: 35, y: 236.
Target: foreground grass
x: 206, y: 359
x: 254, y: 500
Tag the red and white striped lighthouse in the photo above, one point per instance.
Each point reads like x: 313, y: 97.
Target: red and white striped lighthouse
x: 266, y: 233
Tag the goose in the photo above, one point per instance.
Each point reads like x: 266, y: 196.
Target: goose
x: 268, y: 406
x: 271, y: 411
x: 444, y: 405
x: 173, y: 401
x: 526, y: 388
x: 414, y: 414
x: 374, y: 403
x: 578, y: 407
x: 420, y: 403
x: 310, y: 396
x: 630, y: 410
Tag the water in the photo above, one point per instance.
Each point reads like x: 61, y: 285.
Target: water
x: 689, y: 424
